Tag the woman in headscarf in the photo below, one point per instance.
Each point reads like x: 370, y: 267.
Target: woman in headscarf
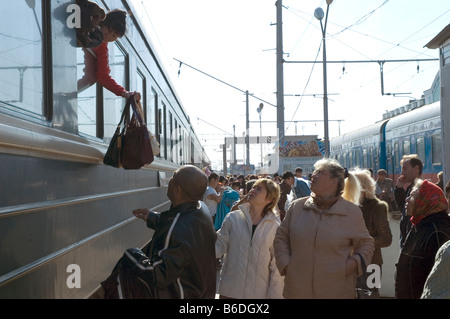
x: 427, y: 207
x: 316, y: 243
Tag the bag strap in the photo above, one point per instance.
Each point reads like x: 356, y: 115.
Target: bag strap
x: 363, y: 264
x: 136, y: 111
x: 125, y: 112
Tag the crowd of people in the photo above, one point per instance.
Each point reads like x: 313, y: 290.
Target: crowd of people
x: 276, y: 236
x: 291, y: 237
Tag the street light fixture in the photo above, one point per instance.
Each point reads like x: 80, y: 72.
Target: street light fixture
x: 259, y: 110
x: 318, y: 13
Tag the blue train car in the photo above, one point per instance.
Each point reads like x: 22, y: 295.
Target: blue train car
x: 362, y: 148
x: 415, y: 132
x: 383, y: 144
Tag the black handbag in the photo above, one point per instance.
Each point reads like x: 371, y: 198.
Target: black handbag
x: 130, y: 147
x: 362, y: 291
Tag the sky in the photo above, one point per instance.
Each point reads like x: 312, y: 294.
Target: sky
x: 234, y: 41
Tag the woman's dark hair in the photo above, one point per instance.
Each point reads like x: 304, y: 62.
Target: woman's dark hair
x: 116, y: 21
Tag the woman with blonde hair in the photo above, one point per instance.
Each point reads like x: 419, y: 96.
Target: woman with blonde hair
x: 317, y: 243
x: 246, y: 242
x: 375, y: 214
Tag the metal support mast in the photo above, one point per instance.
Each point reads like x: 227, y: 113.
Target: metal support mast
x: 280, y: 83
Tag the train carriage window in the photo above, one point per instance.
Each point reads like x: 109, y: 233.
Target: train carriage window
x: 406, y: 147
x: 396, y: 155
x: 87, y: 93
x: 357, y: 158
x: 350, y: 159
x: 365, y: 161
x: 162, y: 130
x: 170, y: 154
x: 436, y: 151
x: 112, y: 105
x: 180, y: 145
x: 141, y: 86
x: 21, y: 59
x: 152, y: 112
x: 420, y: 148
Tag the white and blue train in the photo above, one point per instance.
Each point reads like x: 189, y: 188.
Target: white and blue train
x: 383, y: 144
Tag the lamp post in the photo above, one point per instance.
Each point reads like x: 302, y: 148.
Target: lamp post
x: 259, y: 110
x: 318, y: 13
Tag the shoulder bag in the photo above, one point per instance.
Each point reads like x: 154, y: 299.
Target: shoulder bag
x: 130, y: 147
x: 362, y: 291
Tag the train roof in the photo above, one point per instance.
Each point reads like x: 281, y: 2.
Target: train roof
x: 371, y: 130
x: 422, y: 113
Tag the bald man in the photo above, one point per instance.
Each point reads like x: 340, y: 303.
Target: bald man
x: 181, y: 261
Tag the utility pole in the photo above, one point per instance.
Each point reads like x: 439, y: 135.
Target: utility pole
x: 247, y: 128
x: 280, y: 80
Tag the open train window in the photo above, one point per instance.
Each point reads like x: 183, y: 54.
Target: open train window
x: 112, y: 105
x: 87, y: 92
x: 436, y: 151
x: 21, y: 59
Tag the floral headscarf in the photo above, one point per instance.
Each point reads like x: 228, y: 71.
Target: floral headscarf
x: 429, y: 200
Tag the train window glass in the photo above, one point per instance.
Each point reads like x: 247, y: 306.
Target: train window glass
x: 113, y: 106
x: 170, y: 154
x: 396, y: 155
x: 389, y: 158
x: 436, y: 151
x: 21, y: 60
x: 357, y: 158
x: 180, y: 145
x: 163, y: 130
x: 176, y: 145
x: 151, y: 112
x: 420, y: 148
x: 87, y: 92
x: 406, y: 148
x: 141, y: 87
x: 365, y: 161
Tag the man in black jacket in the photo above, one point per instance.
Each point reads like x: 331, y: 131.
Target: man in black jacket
x: 180, y: 261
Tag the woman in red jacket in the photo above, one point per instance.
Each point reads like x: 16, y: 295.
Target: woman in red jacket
x: 112, y: 27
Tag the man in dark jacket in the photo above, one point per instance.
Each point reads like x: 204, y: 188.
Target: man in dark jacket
x: 411, y: 170
x: 180, y: 261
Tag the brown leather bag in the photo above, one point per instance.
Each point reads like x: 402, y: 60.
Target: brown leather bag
x: 130, y: 148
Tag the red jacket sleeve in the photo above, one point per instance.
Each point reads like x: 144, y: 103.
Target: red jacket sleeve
x: 103, y: 70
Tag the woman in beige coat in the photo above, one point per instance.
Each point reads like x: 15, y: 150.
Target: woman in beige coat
x: 316, y: 243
